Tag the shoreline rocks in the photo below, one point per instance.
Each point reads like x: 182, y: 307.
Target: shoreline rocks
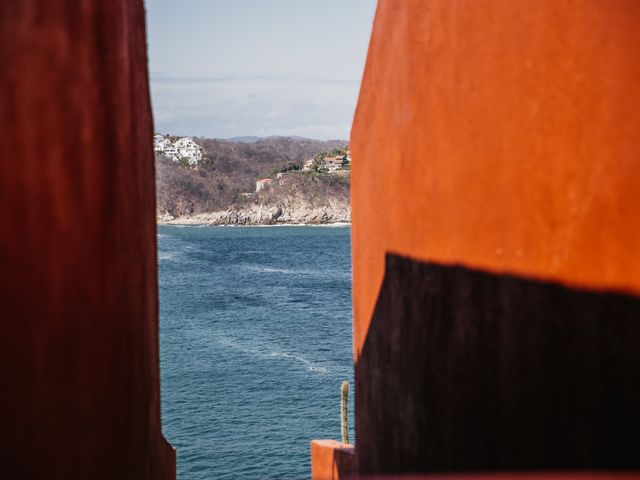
x: 279, y: 214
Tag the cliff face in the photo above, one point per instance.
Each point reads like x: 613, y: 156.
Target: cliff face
x: 290, y: 210
x: 300, y: 198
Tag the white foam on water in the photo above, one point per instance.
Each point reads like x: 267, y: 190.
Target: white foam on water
x: 167, y: 256
x: 295, y: 271
x: 260, y: 353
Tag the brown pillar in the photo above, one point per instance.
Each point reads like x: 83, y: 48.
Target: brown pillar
x: 79, y: 365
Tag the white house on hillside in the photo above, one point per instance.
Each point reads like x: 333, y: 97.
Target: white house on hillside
x: 183, y: 148
x: 189, y: 149
x: 160, y: 143
x: 171, y: 152
x: 187, y: 143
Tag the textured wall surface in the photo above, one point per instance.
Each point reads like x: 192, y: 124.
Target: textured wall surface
x: 79, y: 373
x: 495, y: 149
x: 503, y: 135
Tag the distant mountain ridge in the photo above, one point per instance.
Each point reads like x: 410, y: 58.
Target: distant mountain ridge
x: 246, y: 139
x: 254, y: 138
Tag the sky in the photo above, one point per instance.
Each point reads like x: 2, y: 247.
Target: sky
x: 227, y: 68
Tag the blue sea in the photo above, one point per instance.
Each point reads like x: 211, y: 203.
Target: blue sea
x: 255, y: 340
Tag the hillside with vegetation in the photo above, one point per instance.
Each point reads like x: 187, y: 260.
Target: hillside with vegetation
x: 221, y: 188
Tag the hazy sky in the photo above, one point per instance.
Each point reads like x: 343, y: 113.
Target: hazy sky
x: 224, y: 68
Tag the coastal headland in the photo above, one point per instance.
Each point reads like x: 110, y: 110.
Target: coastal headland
x: 264, y: 181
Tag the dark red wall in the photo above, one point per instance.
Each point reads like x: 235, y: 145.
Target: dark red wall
x: 79, y: 364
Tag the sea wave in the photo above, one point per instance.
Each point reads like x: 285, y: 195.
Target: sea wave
x: 266, y: 353
x: 295, y: 271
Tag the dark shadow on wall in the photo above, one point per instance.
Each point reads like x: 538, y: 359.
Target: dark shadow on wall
x: 464, y: 370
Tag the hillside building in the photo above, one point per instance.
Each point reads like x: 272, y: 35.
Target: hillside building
x: 306, y: 166
x: 262, y: 183
x: 332, y: 164
x: 160, y: 143
x: 182, y: 148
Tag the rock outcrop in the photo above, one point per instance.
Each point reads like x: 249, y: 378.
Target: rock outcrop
x: 289, y: 211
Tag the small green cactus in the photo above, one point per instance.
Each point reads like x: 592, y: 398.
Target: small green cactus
x: 343, y: 416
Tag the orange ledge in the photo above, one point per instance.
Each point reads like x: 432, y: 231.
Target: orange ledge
x: 331, y: 460
x: 511, y: 476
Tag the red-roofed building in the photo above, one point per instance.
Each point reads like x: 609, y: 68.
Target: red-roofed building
x: 263, y: 182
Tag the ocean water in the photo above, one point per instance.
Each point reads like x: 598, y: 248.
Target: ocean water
x: 255, y: 340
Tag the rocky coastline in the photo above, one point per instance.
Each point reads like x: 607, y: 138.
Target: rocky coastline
x: 283, y: 213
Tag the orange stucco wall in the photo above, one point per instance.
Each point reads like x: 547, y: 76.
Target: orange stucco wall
x: 331, y: 460
x: 502, y: 135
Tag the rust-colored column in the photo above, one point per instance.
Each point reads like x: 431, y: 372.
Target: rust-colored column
x: 496, y: 261
x: 79, y: 364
